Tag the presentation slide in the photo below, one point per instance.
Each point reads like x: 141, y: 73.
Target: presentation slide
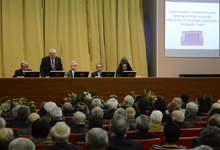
x: 192, y: 28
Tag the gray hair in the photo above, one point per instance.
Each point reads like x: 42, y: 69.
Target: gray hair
x: 156, y: 116
x: 52, y: 50
x: 21, y: 144
x: 192, y: 108
x: 60, y: 132
x: 68, y: 107
x: 31, y: 118
x: 2, y: 123
x: 56, y: 113
x: 6, y: 136
x: 177, y: 116
x: 24, y: 63
x: 143, y: 122
x: 215, y: 105
x: 84, y: 109
x: 130, y: 112
x: 49, y: 106
x: 23, y: 112
x: 73, y: 62
x: 112, y: 103
x: 15, y: 110
x: 119, y: 125
x: 120, y: 111
x: 98, y: 111
x: 202, y: 147
x: 96, y: 102
x: 79, y: 118
x: 129, y: 100
x: 218, y: 101
x: 178, y: 100
x: 96, y: 138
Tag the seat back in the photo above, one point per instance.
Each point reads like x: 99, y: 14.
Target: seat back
x: 186, y: 141
x: 82, y: 144
x: 39, y: 146
x: 73, y: 137
x: 148, y: 143
x: 15, y: 130
x: 190, y: 132
x: 198, y: 124
x: 159, y: 134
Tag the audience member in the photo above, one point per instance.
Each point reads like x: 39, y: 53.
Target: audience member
x: 184, y: 98
x: 21, y: 72
x: 98, y: 72
x: 40, y: 131
x: 27, y: 131
x: 201, y: 101
x: 96, y: 139
x: 84, y: 109
x: 161, y: 106
x: 112, y: 106
x: 6, y: 136
x: 48, y: 107
x: 96, y: 102
x: 178, y: 100
x: 190, y: 113
x: 128, y: 102
x: 117, y: 141
x: 171, y: 134
x: 130, y: 113
x: 143, y: 123
x: 56, y: 116
x: 79, y: 125
x: 60, y: 136
x: 9, y: 114
x: 21, y: 144
x: 141, y: 106
x: 42, y: 111
x: 67, y: 109
x: 178, y: 119
x: 156, y: 119
x: 170, y: 108
x: 2, y: 123
x: 73, y: 67
x: 50, y: 63
x: 123, y: 66
x: 208, y: 99
x: 202, y: 147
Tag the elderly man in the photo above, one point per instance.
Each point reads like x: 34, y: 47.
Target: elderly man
x: 190, y: 113
x: 112, y: 106
x: 96, y: 138
x: 21, y: 144
x: 143, y: 123
x: 67, y: 109
x: 128, y: 102
x: 6, y: 136
x: 156, y: 118
x: 98, y: 72
x: 2, y: 123
x: 117, y: 141
x: 20, y: 72
x: 50, y: 63
x: 48, y: 106
x: 130, y: 114
x: 96, y: 102
x: 178, y: 118
x: 60, y: 136
x: 79, y: 125
x: 73, y: 67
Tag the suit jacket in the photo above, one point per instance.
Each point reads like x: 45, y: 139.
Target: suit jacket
x: 25, y: 131
x: 121, y: 143
x: 62, y: 146
x: 109, y: 114
x: 193, y: 119
x: 184, y: 125
x: 94, y: 74
x: 19, y: 72
x: 45, y: 66
x: 79, y: 128
x: 141, y: 135
x: 69, y: 74
x: 17, y: 124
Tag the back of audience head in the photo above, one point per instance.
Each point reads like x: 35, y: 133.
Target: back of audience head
x: 2, y: 123
x: 23, y: 112
x: 178, y: 100
x: 171, y: 133
x: 95, y: 121
x: 6, y: 136
x: 14, y: 104
x: 184, y: 97
x: 112, y: 103
x: 119, y: 125
x: 40, y: 129
x: 56, y: 113
x: 67, y: 107
x: 79, y: 118
x: 113, y: 96
x: 213, y: 111
x: 160, y: 104
x: 130, y: 113
x: 191, y: 108
x: 129, y: 100
x: 202, y: 147
x: 31, y: 118
x: 211, y: 137
x: 201, y: 101
x: 15, y: 110
x: 173, y: 106
x: 49, y: 106
x: 218, y: 101
x: 84, y: 109
x: 141, y: 104
x: 21, y: 144
x: 208, y: 99
x: 42, y: 107
x: 143, y: 123
x: 214, y: 120
x: 215, y: 106
x: 96, y: 102
x: 60, y: 132
x: 96, y: 139
x: 120, y: 111
x: 156, y: 116
x: 98, y: 111
x: 177, y: 116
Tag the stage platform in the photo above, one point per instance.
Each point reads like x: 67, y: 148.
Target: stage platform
x: 55, y: 89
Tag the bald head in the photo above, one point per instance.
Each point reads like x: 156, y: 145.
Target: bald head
x: 32, y: 117
x: 60, y: 132
x: 6, y: 136
x: 52, y: 53
x: 79, y: 118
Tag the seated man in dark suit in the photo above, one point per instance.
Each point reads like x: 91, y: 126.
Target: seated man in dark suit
x: 191, y: 113
x: 79, y: 125
x: 60, y: 135
x: 143, y: 123
x: 178, y: 119
x: 117, y: 141
x: 20, y: 72
x: 98, y: 71
x: 73, y: 67
x: 67, y: 109
x: 50, y: 63
x: 112, y: 106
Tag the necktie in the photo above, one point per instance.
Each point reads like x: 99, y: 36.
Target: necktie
x: 53, y: 64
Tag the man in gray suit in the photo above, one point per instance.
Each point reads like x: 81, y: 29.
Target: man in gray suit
x: 73, y: 67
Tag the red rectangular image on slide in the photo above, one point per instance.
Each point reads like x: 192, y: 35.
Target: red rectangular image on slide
x: 192, y: 38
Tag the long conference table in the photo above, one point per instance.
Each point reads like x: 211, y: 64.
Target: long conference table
x: 55, y: 89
